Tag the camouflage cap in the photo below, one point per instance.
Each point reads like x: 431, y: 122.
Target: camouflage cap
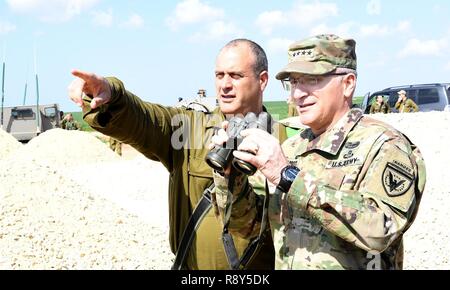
x: 319, y: 55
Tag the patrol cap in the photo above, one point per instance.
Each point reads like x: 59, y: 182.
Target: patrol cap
x: 319, y: 55
x: 402, y: 92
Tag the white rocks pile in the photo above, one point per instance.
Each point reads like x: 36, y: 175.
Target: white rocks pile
x: 68, y: 202
x: 8, y: 144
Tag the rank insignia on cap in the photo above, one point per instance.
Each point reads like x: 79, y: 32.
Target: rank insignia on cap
x: 396, y: 181
x: 303, y: 53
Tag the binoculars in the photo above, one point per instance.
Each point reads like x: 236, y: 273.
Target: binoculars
x: 220, y: 157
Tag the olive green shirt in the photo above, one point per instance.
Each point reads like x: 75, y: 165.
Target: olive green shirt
x: 406, y: 106
x: 178, y: 138
x: 380, y: 108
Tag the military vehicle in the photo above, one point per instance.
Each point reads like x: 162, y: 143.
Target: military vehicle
x: 25, y: 122
x: 199, y: 103
x: 28, y: 121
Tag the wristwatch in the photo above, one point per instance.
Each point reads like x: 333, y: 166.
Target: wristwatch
x: 288, y: 175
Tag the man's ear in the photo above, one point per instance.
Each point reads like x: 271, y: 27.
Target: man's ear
x: 349, y: 83
x: 263, y: 79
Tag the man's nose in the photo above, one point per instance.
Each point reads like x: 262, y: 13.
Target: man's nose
x: 227, y: 82
x: 298, y: 92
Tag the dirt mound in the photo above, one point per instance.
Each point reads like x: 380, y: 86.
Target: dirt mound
x: 64, y: 148
x: 8, y: 144
x: 50, y: 218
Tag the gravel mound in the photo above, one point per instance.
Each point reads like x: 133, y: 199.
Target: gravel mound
x: 60, y: 148
x: 68, y: 202
x: 8, y: 144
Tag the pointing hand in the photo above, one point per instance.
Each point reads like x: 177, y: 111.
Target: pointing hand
x: 89, y: 84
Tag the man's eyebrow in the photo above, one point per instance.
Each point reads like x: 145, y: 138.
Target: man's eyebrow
x: 230, y: 71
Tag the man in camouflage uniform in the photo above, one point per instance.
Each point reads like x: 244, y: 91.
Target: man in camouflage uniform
x: 380, y: 106
x: 178, y: 137
x: 405, y: 105
x: 347, y: 188
x: 68, y: 123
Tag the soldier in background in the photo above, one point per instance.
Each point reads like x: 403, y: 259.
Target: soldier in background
x: 115, y: 145
x: 380, y: 106
x: 404, y: 104
x: 348, y: 187
x: 201, y: 93
x: 292, y: 107
x: 68, y: 123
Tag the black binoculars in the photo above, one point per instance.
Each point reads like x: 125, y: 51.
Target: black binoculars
x: 219, y: 157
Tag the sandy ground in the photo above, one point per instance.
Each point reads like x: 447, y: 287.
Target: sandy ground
x: 68, y: 202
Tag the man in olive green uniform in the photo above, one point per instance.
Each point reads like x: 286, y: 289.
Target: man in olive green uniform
x: 68, y: 123
x: 292, y: 108
x: 405, y: 105
x: 347, y: 188
x: 115, y: 145
x: 178, y: 138
x: 380, y: 106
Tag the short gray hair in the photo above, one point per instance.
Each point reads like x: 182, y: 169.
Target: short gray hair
x: 346, y: 70
x: 261, y: 63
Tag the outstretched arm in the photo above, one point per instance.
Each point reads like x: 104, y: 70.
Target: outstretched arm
x: 109, y: 108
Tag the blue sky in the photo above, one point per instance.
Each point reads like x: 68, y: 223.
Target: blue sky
x: 163, y: 50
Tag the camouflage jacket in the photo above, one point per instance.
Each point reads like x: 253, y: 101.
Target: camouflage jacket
x: 406, y: 106
x: 178, y: 138
x: 358, y: 191
x: 377, y: 108
x: 70, y: 125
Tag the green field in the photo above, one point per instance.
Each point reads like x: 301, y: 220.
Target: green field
x: 78, y: 116
x: 278, y: 109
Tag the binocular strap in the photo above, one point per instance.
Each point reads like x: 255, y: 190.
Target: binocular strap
x: 202, y: 208
x: 228, y: 243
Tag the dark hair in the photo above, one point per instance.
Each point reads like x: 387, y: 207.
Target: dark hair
x: 260, y: 63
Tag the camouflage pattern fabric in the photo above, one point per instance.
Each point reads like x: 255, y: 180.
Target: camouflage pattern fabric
x: 178, y: 138
x: 319, y: 55
x: 358, y: 191
x: 70, y: 125
x: 406, y: 106
x: 377, y: 108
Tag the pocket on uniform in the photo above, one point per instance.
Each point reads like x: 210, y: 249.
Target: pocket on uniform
x: 334, y: 178
x: 198, y: 167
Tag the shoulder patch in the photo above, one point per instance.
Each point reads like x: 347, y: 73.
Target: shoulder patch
x: 396, y: 180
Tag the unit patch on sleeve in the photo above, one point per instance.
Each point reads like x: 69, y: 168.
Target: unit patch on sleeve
x: 396, y: 179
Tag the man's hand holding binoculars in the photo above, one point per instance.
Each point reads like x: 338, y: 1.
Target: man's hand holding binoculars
x: 257, y: 148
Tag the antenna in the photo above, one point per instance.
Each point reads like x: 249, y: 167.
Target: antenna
x: 38, y: 112
x: 3, y: 84
x: 26, y: 85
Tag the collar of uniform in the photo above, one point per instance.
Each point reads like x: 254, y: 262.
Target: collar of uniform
x: 332, y: 140
x: 216, y: 118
